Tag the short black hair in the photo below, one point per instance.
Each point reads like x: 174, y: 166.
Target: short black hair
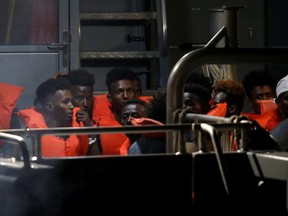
x: 201, y: 79
x: 121, y: 74
x: 135, y: 101
x: 258, y: 78
x: 157, y: 106
x: 81, y: 77
x: 200, y: 90
x: 49, y: 88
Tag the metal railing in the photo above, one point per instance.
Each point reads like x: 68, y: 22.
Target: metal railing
x: 185, y: 66
x: 37, y: 133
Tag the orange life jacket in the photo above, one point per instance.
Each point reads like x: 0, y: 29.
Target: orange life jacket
x: 53, y: 146
x: 9, y: 95
x: 103, y: 115
x: 102, y: 106
x: 219, y: 109
x: 269, y: 117
x: 146, y: 98
x: 141, y: 122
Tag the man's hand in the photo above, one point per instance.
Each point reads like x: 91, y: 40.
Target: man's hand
x: 83, y: 116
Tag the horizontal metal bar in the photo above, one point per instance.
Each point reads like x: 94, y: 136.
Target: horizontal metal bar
x: 120, y: 55
x: 126, y: 129
x: 97, y: 130
x: 118, y: 16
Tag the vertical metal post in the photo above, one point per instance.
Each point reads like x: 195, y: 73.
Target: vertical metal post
x: 231, y: 15
x: 231, y: 19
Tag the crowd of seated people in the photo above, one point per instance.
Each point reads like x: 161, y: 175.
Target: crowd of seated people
x: 68, y: 100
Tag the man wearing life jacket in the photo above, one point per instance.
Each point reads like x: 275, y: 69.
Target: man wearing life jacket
x: 151, y: 142
x: 132, y: 109
x: 279, y: 132
x: 260, y: 89
x: 53, y: 108
x: 228, y: 99
x: 122, y: 84
x: 196, y: 98
x: 82, y: 84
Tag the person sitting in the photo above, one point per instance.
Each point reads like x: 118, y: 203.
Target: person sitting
x: 132, y: 109
x: 260, y: 89
x: 82, y: 84
x: 279, y: 132
x: 152, y: 142
x: 282, y: 97
x: 123, y: 84
x: 228, y: 99
x: 259, y: 85
x: 201, y: 79
x: 53, y: 108
x: 196, y: 98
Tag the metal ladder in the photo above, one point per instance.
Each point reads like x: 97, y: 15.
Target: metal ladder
x: 143, y: 50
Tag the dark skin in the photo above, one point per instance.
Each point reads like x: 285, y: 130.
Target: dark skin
x: 282, y: 102
x: 137, y: 88
x: 82, y: 96
x: 192, y: 103
x: 119, y: 92
x: 132, y: 110
x: 221, y: 97
x: 258, y: 93
x: 135, y: 111
x: 58, y: 111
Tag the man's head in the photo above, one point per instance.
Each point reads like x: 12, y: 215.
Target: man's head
x: 201, y: 79
x: 135, y: 108
x: 82, y: 83
x: 233, y: 93
x: 196, y: 98
x: 259, y: 85
x: 122, y: 84
x: 282, y: 96
x: 53, y: 99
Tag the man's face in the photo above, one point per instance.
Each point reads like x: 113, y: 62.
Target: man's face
x: 62, y: 107
x: 192, y: 103
x: 221, y: 97
x: 135, y: 111
x: 121, y: 91
x: 282, y: 102
x: 132, y: 110
x: 258, y: 93
x: 82, y: 96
